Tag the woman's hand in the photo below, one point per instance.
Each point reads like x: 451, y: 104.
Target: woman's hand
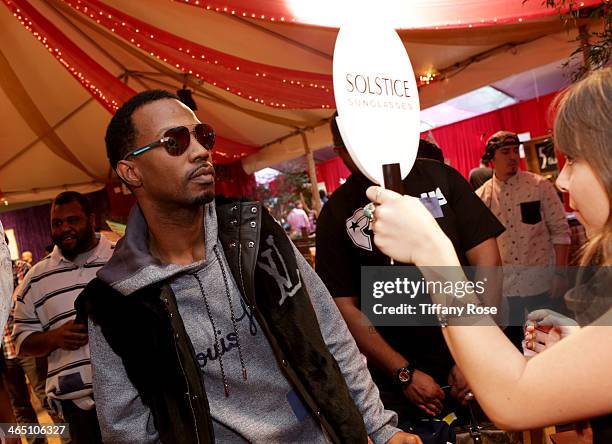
x: 545, y: 328
x: 460, y: 390
x: 406, y: 231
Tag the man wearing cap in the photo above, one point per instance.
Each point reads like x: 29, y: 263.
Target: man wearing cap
x: 536, y: 227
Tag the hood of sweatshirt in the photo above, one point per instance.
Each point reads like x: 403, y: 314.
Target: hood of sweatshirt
x: 132, y: 266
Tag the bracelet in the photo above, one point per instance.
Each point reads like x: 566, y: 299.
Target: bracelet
x: 443, y: 318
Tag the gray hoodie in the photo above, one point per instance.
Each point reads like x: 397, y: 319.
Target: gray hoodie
x: 262, y: 408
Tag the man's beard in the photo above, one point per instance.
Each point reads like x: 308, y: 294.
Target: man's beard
x: 204, y: 198
x: 83, y: 240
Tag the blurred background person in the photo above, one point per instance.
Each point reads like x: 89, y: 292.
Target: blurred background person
x: 478, y: 176
x: 21, y: 268
x: 323, y: 196
x: 298, y: 221
x: 26, y: 256
x: 429, y: 150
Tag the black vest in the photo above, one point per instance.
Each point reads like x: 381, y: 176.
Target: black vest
x: 146, y: 331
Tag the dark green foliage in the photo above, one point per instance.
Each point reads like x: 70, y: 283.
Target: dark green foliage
x: 597, y: 46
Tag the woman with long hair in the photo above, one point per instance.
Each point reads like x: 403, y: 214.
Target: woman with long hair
x: 571, y: 380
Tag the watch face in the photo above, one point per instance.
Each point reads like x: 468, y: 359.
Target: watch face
x: 404, y: 375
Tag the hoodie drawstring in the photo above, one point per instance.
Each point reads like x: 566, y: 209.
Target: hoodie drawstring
x: 212, y: 322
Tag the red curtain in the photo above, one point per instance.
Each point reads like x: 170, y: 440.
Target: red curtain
x: 266, y: 84
x: 464, y: 142
x: 331, y: 172
x: 232, y: 181
x: 101, y: 84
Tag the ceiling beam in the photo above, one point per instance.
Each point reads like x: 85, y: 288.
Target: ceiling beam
x: 283, y: 37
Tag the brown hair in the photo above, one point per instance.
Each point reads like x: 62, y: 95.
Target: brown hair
x: 583, y: 130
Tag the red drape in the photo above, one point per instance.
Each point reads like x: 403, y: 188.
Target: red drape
x: 228, y: 151
x: 232, y: 181
x: 266, y: 84
x: 330, y: 172
x: 464, y: 142
x: 101, y: 84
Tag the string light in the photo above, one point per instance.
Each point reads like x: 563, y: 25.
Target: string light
x: 272, y: 18
x: 427, y: 78
x: 133, y: 32
x: 57, y: 53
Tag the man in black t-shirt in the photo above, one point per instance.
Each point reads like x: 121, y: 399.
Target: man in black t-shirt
x: 478, y: 176
x: 344, y: 244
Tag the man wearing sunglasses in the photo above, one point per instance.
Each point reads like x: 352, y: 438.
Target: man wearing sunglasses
x: 207, y: 325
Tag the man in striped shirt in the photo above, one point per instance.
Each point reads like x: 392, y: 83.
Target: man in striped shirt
x: 44, y: 312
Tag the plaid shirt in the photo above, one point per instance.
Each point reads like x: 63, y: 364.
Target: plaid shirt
x: 7, y: 342
x: 20, y: 269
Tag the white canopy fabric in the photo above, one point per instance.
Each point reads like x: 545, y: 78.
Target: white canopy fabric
x: 52, y: 130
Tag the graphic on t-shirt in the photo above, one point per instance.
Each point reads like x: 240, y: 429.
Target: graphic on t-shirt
x: 433, y: 205
x: 357, y: 228
x: 437, y: 193
x: 286, y: 286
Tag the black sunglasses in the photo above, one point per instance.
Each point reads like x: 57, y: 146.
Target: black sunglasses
x: 176, y: 140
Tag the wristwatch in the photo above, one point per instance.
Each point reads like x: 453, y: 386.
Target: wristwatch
x: 403, y: 375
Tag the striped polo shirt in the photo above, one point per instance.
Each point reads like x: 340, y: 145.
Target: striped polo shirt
x: 45, y: 301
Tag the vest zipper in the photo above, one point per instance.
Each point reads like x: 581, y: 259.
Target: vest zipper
x: 195, y: 422
x: 193, y: 415
x: 244, y: 293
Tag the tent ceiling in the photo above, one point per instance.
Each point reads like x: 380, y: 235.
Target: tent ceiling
x: 537, y: 82
x: 472, y: 57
